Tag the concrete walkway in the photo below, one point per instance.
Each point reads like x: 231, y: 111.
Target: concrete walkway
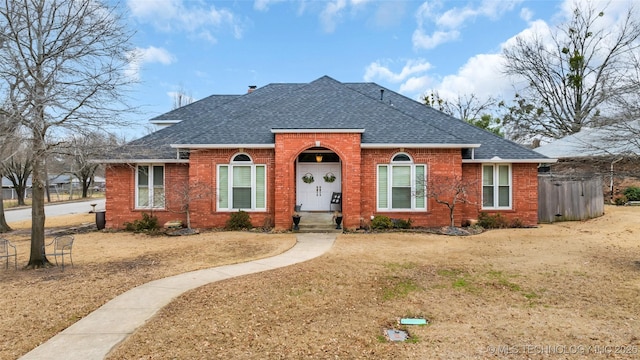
x: 101, y: 331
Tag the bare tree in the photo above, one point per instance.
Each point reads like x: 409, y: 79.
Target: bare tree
x: 79, y: 150
x: 572, y: 74
x: 183, y: 194
x: 181, y: 97
x: 450, y: 191
x: 62, y: 63
x: 8, y: 130
x: 468, y: 108
x: 17, y: 168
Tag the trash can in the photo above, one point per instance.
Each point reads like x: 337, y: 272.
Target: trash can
x: 100, y: 219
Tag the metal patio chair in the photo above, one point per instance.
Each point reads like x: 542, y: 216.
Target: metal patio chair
x: 6, y: 252
x: 60, y: 246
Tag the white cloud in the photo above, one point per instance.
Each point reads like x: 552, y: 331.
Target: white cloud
x: 140, y: 56
x: 482, y: 75
x: 263, y: 5
x: 379, y: 71
x: 331, y: 14
x: 421, y: 40
x: 447, y: 25
x: 526, y: 14
x: 193, y: 17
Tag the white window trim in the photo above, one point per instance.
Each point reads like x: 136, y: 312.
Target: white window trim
x: 230, y: 186
x: 150, y: 191
x: 496, y: 187
x: 414, y: 189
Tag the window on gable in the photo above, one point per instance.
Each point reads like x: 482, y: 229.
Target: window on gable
x: 496, y: 186
x: 401, y: 184
x: 241, y: 185
x: 150, y: 187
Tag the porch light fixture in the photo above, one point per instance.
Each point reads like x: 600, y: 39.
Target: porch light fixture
x: 318, y: 157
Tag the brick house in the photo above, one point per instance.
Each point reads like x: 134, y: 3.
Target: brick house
x: 269, y: 149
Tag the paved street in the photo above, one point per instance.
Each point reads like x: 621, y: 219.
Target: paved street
x: 55, y: 210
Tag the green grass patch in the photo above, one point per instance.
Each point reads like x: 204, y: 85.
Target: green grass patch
x: 399, y: 288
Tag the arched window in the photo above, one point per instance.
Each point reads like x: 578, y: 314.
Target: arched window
x: 242, y: 184
x: 241, y: 158
x: 402, y: 184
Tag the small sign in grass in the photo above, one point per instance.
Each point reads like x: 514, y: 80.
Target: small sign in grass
x: 412, y: 321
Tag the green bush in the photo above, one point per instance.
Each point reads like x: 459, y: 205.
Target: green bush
x: 632, y: 193
x: 381, y: 222
x: 495, y: 221
x: 146, y: 224
x: 239, y: 221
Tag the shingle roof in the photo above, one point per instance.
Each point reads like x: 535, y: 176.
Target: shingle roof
x: 388, y: 118
x: 620, y: 139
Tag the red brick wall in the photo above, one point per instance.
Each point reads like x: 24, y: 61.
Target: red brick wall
x: 290, y: 145
x: 359, y: 172
x: 442, y: 164
x: 202, y: 175
x: 524, y: 192
x: 120, y: 194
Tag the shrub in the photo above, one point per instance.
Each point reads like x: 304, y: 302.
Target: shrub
x: 146, y: 224
x: 239, y: 221
x: 620, y: 200
x: 381, y: 222
x: 517, y: 223
x: 495, y: 221
x: 632, y: 193
x: 401, y: 223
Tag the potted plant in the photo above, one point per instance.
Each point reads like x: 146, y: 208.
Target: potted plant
x: 337, y: 217
x: 329, y: 177
x: 308, y: 178
x: 296, y: 221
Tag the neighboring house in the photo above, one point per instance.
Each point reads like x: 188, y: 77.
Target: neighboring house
x: 253, y: 151
x: 609, y: 152
x: 9, y: 192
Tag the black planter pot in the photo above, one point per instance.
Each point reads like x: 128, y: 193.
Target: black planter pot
x: 338, y: 222
x: 296, y: 222
x: 100, y: 219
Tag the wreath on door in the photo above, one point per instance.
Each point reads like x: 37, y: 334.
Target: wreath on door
x: 308, y: 178
x: 329, y: 177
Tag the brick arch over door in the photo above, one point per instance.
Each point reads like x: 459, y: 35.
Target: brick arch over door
x: 290, y: 145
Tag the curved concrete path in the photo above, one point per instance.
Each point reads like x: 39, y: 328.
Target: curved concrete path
x: 102, y: 330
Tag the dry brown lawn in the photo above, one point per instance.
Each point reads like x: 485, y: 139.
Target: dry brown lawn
x: 566, y: 290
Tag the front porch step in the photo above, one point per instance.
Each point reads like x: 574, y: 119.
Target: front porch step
x: 317, y: 222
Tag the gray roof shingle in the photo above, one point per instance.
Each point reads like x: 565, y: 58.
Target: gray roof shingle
x: 321, y: 104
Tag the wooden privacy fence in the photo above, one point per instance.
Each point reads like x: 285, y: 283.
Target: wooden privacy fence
x: 569, y: 198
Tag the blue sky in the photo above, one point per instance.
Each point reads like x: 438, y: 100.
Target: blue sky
x: 412, y: 47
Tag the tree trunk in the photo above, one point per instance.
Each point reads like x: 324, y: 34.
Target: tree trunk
x: 37, y: 259
x: 4, y: 227
x: 451, y: 208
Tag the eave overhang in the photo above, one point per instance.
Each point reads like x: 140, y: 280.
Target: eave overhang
x: 509, y: 161
x: 223, y: 146
x: 419, y: 146
x: 140, y: 161
x: 309, y: 131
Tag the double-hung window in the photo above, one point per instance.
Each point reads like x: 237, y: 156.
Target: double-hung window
x: 242, y: 185
x: 150, y: 187
x: 496, y: 186
x: 402, y: 184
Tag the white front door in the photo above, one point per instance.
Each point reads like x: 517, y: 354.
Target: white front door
x: 316, y: 195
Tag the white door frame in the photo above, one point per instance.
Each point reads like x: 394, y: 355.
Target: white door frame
x: 316, y: 196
